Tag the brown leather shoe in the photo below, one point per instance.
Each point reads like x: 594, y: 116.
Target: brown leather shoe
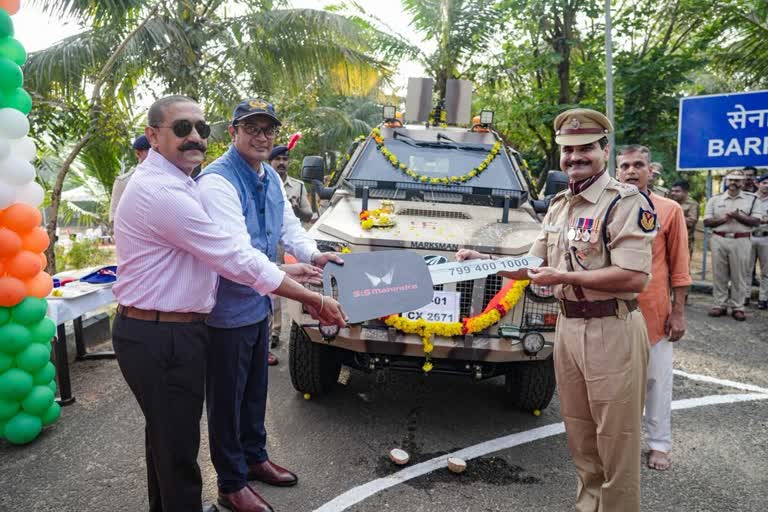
x: 272, y: 359
x: 717, y: 312
x: 244, y: 500
x: 271, y: 474
x: 739, y: 315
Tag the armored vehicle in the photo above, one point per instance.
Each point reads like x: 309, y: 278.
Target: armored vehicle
x: 433, y: 189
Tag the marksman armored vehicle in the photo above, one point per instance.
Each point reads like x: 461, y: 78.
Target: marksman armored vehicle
x: 432, y: 188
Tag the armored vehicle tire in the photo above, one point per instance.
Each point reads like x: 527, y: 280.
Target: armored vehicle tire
x: 314, y: 367
x: 530, y: 385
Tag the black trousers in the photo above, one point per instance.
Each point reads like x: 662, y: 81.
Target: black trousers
x: 164, y: 365
x: 236, y: 398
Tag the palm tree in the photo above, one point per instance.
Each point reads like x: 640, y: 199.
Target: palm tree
x: 745, y: 55
x: 200, y: 49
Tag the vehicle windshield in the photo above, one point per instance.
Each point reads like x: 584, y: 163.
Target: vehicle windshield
x: 442, y: 159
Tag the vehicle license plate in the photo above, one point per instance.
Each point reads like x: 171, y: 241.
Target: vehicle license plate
x: 443, y: 308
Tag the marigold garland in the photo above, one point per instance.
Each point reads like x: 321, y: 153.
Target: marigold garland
x: 497, y: 308
x: 415, y: 176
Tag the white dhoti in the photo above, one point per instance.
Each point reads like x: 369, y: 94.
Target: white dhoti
x: 658, y: 398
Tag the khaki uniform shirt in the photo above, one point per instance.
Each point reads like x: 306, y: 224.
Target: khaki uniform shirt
x: 719, y: 205
x: 691, y: 212
x: 296, y: 193
x: 762, y: 212
x: 623, y: 239
x: 118, y: 188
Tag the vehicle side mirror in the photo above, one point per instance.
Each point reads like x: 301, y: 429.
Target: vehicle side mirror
x: 556, y: 181
x: 322, y: 191
x: 313, y: 168
x: 541, y: 205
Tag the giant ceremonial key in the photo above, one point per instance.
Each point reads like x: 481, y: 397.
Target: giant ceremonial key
x: 476, y: 269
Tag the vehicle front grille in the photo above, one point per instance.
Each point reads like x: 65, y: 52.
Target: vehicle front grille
x: 443, y: 214
x: 539, y: 313
x: 465, y: 302
x: 492, y: 287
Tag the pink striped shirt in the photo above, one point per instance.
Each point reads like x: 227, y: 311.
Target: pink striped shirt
x: 169, y: 251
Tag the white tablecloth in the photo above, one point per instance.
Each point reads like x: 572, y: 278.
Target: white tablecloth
x: 62, y: 310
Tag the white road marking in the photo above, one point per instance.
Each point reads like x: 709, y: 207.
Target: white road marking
x: 721, y: 382
x: 365, y: 491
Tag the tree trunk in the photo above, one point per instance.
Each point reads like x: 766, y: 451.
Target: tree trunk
x: 50, y: 252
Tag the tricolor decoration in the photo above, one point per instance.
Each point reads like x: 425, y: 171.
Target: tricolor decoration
x: 27, y: 376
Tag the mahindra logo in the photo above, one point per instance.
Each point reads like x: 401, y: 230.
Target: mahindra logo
x: 434, y: 259
x: 386, y: 278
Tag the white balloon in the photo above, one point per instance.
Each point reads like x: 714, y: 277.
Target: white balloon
x: 5, y: 148
x: 16, y: 171
x: 13, y: 124
x: 31, y: 193
x: 23, y: 148
x: 7, y: 194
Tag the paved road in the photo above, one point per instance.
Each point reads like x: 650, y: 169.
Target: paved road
x: 92, y: 459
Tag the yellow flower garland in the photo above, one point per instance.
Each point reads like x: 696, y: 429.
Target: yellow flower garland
x: 415, y: 176
x: 468, y: 325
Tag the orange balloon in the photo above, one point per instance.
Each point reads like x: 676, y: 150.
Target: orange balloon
x: 21, y: 217
x: 10, y: 242
x: 40, y: 285
x: 2, y: 268
x: 12, y: 6
x: 43, y: 260
x: 24, y: 265
x: 36, y: 240
x: 12, y: 291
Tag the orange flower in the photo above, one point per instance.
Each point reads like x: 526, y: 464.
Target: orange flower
x: 364, y: 214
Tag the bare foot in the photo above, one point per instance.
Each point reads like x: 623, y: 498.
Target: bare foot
x: 658, y: 460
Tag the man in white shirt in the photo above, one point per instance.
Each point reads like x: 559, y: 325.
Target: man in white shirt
x: 169, y: 253
x: 246, y: 197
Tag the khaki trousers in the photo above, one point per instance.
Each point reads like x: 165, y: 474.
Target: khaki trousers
x: 759, y: 252
x: 601, y: 365
x: 730, y: 257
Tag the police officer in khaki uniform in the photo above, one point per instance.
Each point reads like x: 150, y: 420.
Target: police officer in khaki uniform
x: 731, y: 215
x: 296, y: 193
x: 679, y: 192
x: 760, y: 241
x: 596, y: 243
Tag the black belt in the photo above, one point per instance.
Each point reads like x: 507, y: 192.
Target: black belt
x: 594, y: 309
x: 760, y: 233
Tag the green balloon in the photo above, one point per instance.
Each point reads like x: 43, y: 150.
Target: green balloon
x: 52, y: 386
x: 8, y: 409
x: 12, y: 49
x: 2, y: 429
x: 15, y: 384
x: 29, y: 311
x: 52, y: 414
x: 5, y: 315
x: 14, y: 338
x: 11, y: 76
x: 17, y: 99
x: 38, y: 400
x: 23, y: 428
x: 44, y: 375
x: 33, y: 358
x: 6, y: 25
x: 43, y: 331
x: 6, y: 362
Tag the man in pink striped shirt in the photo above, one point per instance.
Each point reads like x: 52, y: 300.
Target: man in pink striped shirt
x: 169, y: 253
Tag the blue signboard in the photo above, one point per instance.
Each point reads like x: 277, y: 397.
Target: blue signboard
x: 723, y: 131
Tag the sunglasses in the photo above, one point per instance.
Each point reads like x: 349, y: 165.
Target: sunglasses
x: 251, y: 129
x: 183, y: 127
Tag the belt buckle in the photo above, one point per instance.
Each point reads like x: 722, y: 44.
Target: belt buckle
x: 730, y: 235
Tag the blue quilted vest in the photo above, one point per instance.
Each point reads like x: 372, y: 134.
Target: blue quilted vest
x: 262, y: 202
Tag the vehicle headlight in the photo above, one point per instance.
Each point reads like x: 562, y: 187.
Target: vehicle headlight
x: 533, y: 342
x: 543, y: 292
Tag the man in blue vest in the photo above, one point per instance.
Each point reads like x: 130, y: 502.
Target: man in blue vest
x: 245, y: 196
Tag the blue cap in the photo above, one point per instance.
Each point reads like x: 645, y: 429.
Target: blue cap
x: 761, y: 179
x: 141, y: 143
x: 277, y: 151
x: 254, y: 107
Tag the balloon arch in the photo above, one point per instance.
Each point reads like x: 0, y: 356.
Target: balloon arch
x: 27, y: 376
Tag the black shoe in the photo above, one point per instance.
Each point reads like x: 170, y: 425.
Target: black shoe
x: 274, y: 341
x: 762, y: 304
